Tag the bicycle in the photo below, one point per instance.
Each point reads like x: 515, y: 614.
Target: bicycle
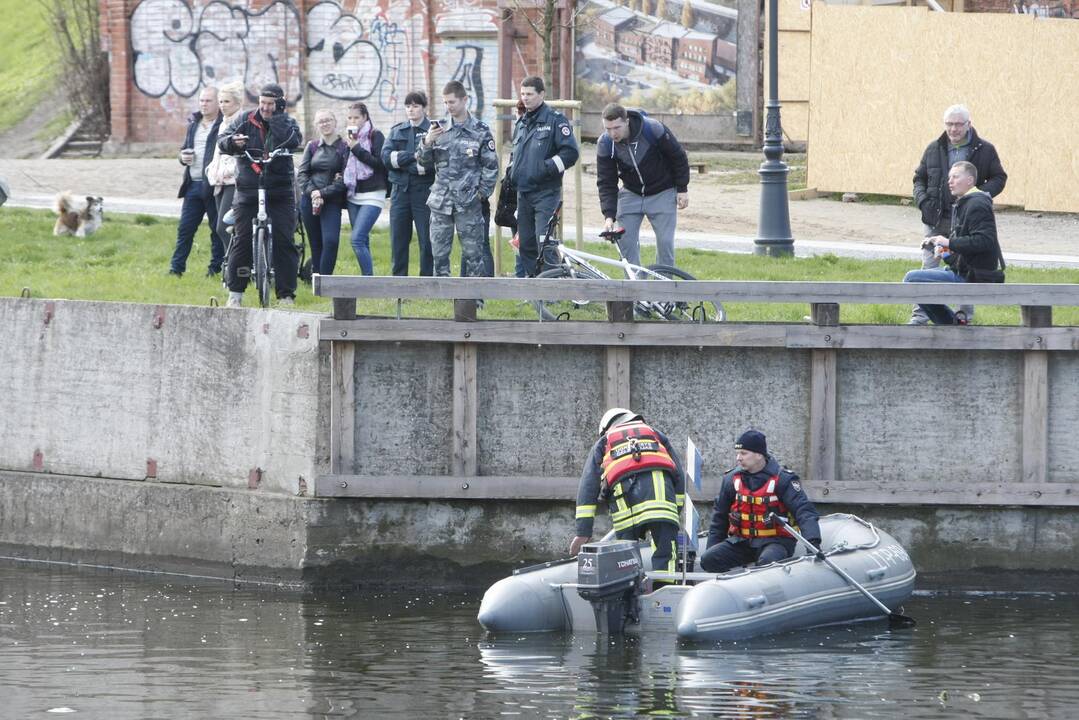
x: 564, y: 262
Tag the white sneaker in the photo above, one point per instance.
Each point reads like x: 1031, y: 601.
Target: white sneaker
x: 236, y: 299
x: 286, y: 302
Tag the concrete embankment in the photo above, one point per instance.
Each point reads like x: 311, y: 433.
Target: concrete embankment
x: 190, y: 440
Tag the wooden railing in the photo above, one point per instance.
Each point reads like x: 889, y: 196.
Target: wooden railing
x: 823, y: 337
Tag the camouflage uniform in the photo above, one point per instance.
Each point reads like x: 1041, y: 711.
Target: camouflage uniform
x: 466, y: 170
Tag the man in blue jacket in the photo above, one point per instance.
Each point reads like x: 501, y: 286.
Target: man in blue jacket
x: 741, y: 531
x: 543, y: 149
x: 197, y: 193
x: 411, y: 183
x: 646, y: 157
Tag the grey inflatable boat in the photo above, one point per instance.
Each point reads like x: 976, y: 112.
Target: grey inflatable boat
x: 605, y: 589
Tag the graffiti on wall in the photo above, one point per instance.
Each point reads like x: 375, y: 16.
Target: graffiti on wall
x: 178, y: 49
x: 369, y: 53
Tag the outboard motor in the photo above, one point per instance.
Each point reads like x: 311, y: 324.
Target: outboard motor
x: 609, y: 576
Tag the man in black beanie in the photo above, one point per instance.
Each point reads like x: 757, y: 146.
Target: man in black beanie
x: 741, y: 533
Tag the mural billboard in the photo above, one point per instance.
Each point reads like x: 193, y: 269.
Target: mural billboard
x: 677, y: 56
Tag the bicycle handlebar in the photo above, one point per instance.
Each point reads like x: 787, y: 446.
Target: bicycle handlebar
x: 263, y: 159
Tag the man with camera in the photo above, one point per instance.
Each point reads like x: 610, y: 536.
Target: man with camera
x: 462, y: 152
x: 971, y: 252
x: 742, y: 532
x: 260, y: 132
x: 411, y: 186
x: 543, y: 149
x: 959, y: 141
x: 196, y: 191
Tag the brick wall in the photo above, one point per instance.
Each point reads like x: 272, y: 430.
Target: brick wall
x: 325, y: 53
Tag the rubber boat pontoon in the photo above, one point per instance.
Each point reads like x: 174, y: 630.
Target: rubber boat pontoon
x: 606, y: 589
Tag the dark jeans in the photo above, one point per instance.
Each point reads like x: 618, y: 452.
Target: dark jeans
x: 664, y: 542
x: 198, y: 203
x: 408, y: 207
x: 324, y: 233
x: 723, y: 556
x: 286, y: 259
x: 534, y: 211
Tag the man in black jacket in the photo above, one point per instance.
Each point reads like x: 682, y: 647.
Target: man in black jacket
x: 972, y: 244
x: 543, y: 149
x: 645, y: 155
x: 959, y: 141
x: 262, y: 131
x: 741, y: 532
x: 197, y: 193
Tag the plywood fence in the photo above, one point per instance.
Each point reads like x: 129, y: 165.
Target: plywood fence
x: 880, y: 79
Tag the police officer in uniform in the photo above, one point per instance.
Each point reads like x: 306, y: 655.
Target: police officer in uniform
x: 636, y: 471
x: 741, y: 532
x: 462, y: 152
x: 543, y: 149
x: 411, y: 183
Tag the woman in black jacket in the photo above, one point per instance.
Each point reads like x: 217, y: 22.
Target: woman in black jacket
x: 322, y: 192
x: 366, y: 182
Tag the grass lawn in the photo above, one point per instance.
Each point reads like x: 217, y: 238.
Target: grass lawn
x: 28, y: 61
x: 128, y: 259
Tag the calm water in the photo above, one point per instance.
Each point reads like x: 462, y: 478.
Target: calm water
x: 108, y: 645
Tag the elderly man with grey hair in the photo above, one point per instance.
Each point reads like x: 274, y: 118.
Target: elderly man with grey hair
x: 958, y: 142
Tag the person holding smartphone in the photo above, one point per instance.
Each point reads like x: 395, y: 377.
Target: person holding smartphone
x: 365, y: 181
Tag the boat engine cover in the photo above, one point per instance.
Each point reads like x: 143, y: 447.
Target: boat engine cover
x: 608, y: 569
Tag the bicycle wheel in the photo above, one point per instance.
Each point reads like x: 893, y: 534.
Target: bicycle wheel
x: 262, y: 265
x: 701, y: 311
x: 570, y: 309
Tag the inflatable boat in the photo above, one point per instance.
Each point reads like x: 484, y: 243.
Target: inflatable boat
x: 606, y: 589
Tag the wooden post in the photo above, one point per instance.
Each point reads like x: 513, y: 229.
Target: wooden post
x: 464, y: 410
x: 464, y: 310
x: 826, y: 314
x: 344, y: 308
x: 342, y: 408
x: 616, y: 377
x: 620, y: 311
x: 1035, y: 437
x: 822, y: 439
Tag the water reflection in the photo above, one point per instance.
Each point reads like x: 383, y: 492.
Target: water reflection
x: 118, y: 646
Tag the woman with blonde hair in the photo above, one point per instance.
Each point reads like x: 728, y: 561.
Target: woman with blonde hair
x: 322, y: 191
x: 221, y: 172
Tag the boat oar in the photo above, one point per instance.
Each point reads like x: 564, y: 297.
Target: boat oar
x: 894, y: 619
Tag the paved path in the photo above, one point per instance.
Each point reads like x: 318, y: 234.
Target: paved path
x: 819, y: 226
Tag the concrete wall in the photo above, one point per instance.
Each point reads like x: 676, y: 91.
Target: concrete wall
x: 172, y: 393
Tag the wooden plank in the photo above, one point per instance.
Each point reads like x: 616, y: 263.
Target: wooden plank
x: 777, y: 335
x: 616, y: 391
x: 464, y: 409
x: 1035, y: 416
x: 342, y: 407
x: 455, y: 488
x: 872, y: 492
x: 449, y: 288
x: 822, y: 420
x: 555, y: 333
x: 932, y: 337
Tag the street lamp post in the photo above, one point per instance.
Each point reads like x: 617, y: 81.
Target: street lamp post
x: 774, y: 227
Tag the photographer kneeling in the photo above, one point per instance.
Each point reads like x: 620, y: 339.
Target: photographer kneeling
x: 971, y: 253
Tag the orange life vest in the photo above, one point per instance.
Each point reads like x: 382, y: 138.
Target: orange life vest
x: 633, y: 447
x: 751, y: 508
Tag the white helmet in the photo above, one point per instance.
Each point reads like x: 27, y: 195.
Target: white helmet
x: 616, y: 416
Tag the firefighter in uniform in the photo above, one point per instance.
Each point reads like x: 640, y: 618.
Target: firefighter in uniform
x: 634, y: 469
x: 741, y: 532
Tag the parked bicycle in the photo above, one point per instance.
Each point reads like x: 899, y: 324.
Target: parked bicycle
x: 564, y: 262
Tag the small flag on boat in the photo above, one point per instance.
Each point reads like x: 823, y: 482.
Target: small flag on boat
x: 691, y: 522
x: 693, y: 463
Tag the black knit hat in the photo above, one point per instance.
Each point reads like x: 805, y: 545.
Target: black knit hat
x: 272, y: 90
x: 752, y: 440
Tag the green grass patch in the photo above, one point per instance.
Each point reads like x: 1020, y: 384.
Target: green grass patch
x: 53, y: 129
x: 128, y: 260
x: 28, y: 61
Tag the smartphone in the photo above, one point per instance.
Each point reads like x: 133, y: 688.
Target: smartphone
x: 352, y: 130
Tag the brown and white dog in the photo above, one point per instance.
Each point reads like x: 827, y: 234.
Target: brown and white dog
x: 81, y: 221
